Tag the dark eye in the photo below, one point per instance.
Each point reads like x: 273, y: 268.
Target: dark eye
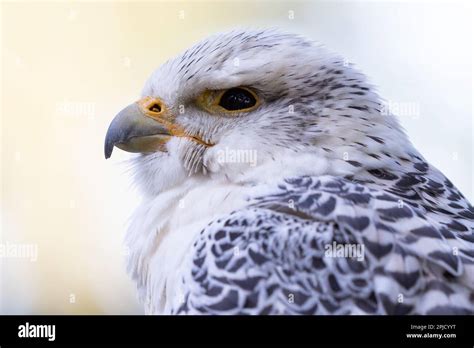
x: 237, y: 99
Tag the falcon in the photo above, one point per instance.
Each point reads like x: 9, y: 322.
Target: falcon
x: 273, y: 182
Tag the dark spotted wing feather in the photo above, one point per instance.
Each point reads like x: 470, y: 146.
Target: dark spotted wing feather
x: 273, y: 257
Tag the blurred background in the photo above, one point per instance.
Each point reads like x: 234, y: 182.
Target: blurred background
x: 68, y: 67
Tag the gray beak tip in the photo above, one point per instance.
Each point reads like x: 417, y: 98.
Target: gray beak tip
x: 108, y: 153
x: 108, y: 146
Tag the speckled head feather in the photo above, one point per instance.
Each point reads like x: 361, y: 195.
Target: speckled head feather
x: 311, y: 101
x: 329, y: 167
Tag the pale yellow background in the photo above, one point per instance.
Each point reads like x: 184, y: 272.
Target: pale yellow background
x: 67, y: 68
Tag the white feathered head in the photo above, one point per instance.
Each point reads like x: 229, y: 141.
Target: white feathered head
x: 239, y: 99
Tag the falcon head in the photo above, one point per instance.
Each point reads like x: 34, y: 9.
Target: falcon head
x: 238, y: 100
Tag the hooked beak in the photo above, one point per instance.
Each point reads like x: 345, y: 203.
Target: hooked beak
x: 144, y: 126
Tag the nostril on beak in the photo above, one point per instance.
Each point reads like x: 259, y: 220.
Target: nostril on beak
x: 152, y: 107
x: 155, y: 107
